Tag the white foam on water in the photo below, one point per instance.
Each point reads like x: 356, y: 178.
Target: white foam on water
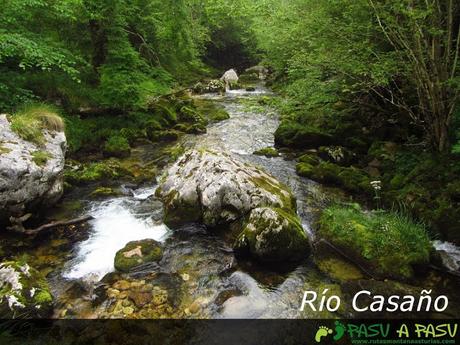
x: 114, y: 225
x: 450, y: 254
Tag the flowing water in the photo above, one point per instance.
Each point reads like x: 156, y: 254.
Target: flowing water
x: 198, y: 275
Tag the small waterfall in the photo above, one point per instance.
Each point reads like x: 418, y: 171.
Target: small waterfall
x: 115, y: 224
x: 450, y: 254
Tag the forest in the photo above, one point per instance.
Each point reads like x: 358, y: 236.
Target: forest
x: 359, y: 98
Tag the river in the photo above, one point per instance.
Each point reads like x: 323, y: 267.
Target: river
x: 199, y: 277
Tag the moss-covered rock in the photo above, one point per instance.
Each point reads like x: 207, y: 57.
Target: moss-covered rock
x: 388, y: 244
x: 211, y: 111
x: 295, y: 135
x: 104, y: 192
x: 267, y: 152
x: 98, y: 171
x: 214, y: 187
x: 137, y: 253
x: 272, y: 234
x: 117, y: 146
x: 24, y: 292
x: 164, y: 135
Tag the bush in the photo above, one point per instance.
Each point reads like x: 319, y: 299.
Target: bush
x: 390, y: 243
x: 117, y: 146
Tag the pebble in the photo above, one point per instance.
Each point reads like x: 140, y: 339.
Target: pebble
x: 128, y: 310
x: 122, y: 285
x: 195, y: 307
x: 185, y: 277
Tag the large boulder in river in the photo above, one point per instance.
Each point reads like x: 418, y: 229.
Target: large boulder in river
x: 214, y: 188
x: 31, y: 173
x: 271, y: 234
x: 230, y: 77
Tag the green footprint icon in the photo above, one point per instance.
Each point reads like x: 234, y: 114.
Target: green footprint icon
x: 322, y: 332
x: 339, y: 330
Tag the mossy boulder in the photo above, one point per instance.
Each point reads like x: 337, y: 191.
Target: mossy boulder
x: 163, y: 135
x: 295, y: 135
x: 211, y: 111
x: 24, y: 292
x: 272, y: 234
x: 92, y: 172
x: 267, y: 152
x: 387, y: 244
x: 117, y: 146
x: 101, y: 192
x: 137, y: 253
x: 215, y: 188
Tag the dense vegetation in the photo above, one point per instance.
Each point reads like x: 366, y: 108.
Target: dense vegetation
x: 372, y: 85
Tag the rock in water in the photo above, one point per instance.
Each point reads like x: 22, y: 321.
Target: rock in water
x: 230, y: 77
x: 214, y: 188
x: 272, y: 234
x: 31, y: 175
x: 137, y: 253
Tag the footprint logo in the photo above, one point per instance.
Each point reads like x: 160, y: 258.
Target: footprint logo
x: 339, y: 330
x: 323, y: 331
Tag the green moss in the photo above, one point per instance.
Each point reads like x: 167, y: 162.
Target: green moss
x: 30, y: 121
x: 98, y: 171
x: 167, y: 135
x: 41, y: 157
x: 267, y: 152
x: 293, y: 134
x: 338, y: 269
x: 136, y: 253
x: 389, y: 243
x: 272, y: 234
x: 43, y: 297
x: 288, y: 201
x: 304, y: 169
x: 104, y: 191
x: 309, y: 158
x: 117, y: 146
x: 211, y: 110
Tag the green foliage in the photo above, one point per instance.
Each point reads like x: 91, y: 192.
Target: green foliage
x: 117, y: 146
x: 391, y: 242
x: 30, y: 121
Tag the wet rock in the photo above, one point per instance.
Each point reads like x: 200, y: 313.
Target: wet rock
x: 214, y: 188
x: 225, y: 295
x: 272, y: 234
x: 122, y: 285
x: 213, y: 86
x: 140, y: 298
x: 267, y: 152
x: 24, y: 292
x: 137, y: 253
x: 31, y: 174
x: 230, y: 77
